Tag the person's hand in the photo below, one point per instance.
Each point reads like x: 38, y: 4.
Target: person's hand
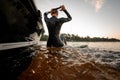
x: 52, y: 10
x: 62, y: 8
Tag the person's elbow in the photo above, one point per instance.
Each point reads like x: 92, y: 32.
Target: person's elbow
x: 70, y: 18
x: 45, y: 14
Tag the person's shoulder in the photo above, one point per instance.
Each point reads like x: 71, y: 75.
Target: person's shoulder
x: 61, y: 19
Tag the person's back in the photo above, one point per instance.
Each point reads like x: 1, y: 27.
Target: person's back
x: 54, y: 26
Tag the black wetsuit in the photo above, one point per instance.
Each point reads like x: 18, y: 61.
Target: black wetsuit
x: 54, y: 26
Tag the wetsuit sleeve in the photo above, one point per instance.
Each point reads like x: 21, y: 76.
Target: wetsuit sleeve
x: 69, y: 18
x: 45, y: 16
x: 48, y: 20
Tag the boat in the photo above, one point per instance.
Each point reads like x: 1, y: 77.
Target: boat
x: 21, y: 29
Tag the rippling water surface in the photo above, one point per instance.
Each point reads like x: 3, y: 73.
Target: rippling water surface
x: 96, y: 61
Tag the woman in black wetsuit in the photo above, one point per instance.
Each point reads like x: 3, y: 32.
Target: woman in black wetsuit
x: 54, y: 26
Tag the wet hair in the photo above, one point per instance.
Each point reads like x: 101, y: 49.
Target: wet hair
x: 54, y: 11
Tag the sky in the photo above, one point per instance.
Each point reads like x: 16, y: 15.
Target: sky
x: 94, y: 18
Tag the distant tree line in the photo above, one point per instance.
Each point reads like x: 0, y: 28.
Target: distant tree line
x: 72, y: 37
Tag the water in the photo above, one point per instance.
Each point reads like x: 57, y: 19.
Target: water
x: 111, y: 46
x: 96, y: 61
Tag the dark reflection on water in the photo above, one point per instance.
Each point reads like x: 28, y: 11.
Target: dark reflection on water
x: 72, y: 64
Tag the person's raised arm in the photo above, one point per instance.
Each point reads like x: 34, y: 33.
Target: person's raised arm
x: 66, y: 12
x: 45, y: 16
